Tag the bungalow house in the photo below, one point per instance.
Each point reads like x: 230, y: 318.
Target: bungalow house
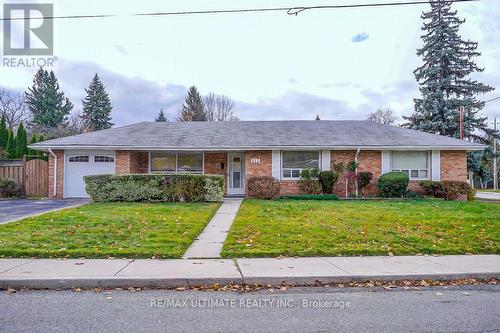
x: 240, y: 150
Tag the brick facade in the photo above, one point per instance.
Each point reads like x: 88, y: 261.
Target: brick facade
x: 261, y: 168
x: 369, y: 161
x: 216, y: 164
x: 454, y: 165
x: 130, y: 162
x: 60, y: 174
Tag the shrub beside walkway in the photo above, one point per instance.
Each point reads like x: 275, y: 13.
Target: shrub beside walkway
x: 209, y: 243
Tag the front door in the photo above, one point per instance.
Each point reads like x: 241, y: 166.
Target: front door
x: 236, y: 176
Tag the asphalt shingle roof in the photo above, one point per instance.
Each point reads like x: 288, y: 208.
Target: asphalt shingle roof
x: 257, y: 134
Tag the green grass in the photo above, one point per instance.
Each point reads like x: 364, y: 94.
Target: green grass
x: 102, y: 230
x: 330, y: 228
x: 489, y: 190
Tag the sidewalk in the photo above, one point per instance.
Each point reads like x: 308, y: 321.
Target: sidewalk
x: 209, y: 243
x: 90, y: 273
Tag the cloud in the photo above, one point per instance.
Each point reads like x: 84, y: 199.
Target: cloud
x: 360, y: 37
x: 136, y: 99
x: 121, y: 49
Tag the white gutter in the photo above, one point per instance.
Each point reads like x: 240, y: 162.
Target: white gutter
x: 242, y: 148
x: 55, y: 170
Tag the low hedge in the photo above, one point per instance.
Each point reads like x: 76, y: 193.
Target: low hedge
x: 264, y: 187
x: 432, y: 188
x: 155, y: 188
x: 448, y: 189
x: 393, y: 184
x: 311, y: 197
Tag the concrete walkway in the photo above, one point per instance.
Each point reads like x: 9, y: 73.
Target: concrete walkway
x: 91, y: 273
x: 209, y: 243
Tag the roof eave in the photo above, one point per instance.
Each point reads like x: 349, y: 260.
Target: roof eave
x: 236, y: 148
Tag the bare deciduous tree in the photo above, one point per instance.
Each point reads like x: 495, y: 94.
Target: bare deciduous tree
x: 14, y: 108
x: 219, y: 108
x: 75, y: 125
x: 383, y: 116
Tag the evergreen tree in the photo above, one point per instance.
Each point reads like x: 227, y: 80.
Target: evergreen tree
x: 444, y: 78
x: 21, y: 141
x: 11, y: 144
x: 161, y: 116
x: 40, y: 153
x: 96, y: 107
x: 32, y: 152
x: 192, y: 109
x: 46, y: 102
x: 3, y: 133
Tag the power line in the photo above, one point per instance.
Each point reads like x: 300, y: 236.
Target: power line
x: 491, y: 100
x: 289, y: 10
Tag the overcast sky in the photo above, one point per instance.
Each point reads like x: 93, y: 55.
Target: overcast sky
x: 340, y: 64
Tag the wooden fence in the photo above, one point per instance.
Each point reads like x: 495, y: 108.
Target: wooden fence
x: 32, y: 176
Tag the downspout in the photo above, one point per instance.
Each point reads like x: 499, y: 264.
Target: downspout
x: 55, y: 172
x: 356, y: 161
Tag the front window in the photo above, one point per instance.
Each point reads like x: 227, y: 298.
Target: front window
x: 295, y: 161
x: 190, y: 163
x: 177, y: 162
x: 414, y: 163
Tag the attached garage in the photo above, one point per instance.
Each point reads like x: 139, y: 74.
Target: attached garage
x: 78, y: 164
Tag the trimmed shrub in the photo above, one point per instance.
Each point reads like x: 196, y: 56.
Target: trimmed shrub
x: 154, y: 188
x: 312, y: 197
x: 9, y: 188
x: 364, y: 179
x: 432, y: 188
x: 471, y: 194
x: 264, y: 187
x: 455, y: 189
x: 328, y: 179
x: 308, y: 182
x: 393, y: 184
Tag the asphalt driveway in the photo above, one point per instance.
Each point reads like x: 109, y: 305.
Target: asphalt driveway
x: 15, y: 209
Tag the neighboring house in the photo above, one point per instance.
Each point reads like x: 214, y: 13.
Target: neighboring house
x: 240, y: 150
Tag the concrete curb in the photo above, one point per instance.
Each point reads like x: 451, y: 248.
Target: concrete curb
x: 173, y: 273
x: 122, y: 282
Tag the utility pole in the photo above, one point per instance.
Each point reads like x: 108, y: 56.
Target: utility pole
x: 495, y: 170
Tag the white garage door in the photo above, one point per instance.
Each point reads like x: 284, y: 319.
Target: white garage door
x: 79, y: 164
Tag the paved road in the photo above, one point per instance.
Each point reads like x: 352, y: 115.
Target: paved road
x: 466, y: 309
x: 14, y: 209
x: 488, y: 195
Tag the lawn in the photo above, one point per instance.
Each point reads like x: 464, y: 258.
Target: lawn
x: 102, y: 230
x: 331, y: 228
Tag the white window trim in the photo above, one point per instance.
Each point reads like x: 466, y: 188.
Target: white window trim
x: 300, y: 169
x: 410, y: 170
x: 176, y: 172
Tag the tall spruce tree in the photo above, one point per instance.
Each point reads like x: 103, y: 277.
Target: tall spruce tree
x: 21, y: 141
x: 3, y: 133
x: 46, y: 101
x: 444, y: 79
x: 96, y: 107
x: 11, y: 144
x: 192, y: 109
x: 161, y: 116
x: 32, y: 152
